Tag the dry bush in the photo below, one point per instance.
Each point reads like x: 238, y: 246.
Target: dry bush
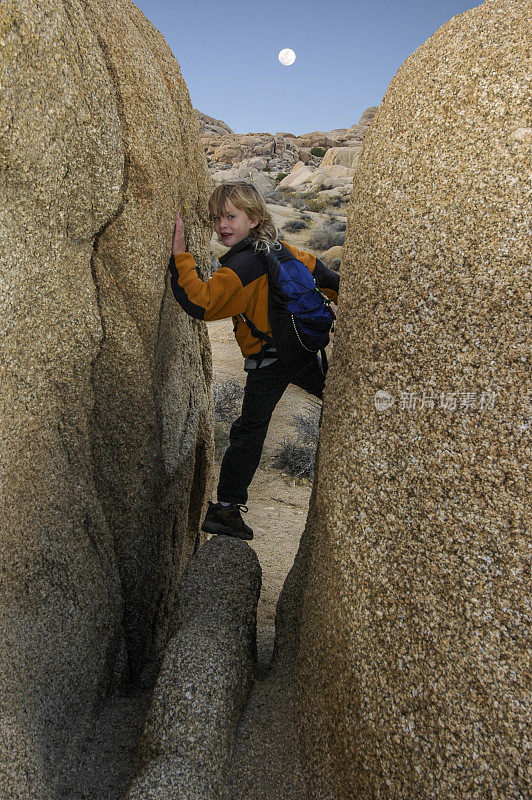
x: 327, y: 235
x: 227, y: 400
x: 297, y: 456
x: 337, y: 224
x: 276, y: 197
x: 293, y: 199
x: 294, y: 225
x: 317, y: 204
x: 298, y: 203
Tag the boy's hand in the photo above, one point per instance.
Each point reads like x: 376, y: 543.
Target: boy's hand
x: 178, y: 245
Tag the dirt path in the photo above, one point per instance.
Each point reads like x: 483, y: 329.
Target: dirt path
x: 265, y: 764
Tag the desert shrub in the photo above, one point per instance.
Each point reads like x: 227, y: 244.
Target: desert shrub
x: 280, y: 176
x: 317, y: 151
x: 308, y: 424
x: 297, y: 202
x: 297, y: 456
x: 267, y: 168
x: 335, y: 223
x: 333, y: 263
x: 294, y: 225
x: 227, y: 401
x: 317, y: 204
x: 221, y: 439
x: 277, y: 197
x: 325, y: 237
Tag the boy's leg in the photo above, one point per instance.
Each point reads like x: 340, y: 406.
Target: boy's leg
x: 310, y: 377
x: 264, y: 388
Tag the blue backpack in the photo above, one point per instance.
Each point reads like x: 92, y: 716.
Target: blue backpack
x: 301, y: 317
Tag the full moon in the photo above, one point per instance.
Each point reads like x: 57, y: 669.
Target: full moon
x: 287, y: 57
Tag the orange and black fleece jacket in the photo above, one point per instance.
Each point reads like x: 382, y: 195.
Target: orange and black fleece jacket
x: 239, y: 286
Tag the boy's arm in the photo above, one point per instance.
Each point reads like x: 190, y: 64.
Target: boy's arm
x: 328, y: 280
x: 220, y: 297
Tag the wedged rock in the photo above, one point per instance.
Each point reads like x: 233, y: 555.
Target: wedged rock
x: 261, y: 182
x: 207, y: 669
x: 104, y: 401
x: 413, y: 576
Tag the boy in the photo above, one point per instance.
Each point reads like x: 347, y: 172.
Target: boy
x: 240, y: 287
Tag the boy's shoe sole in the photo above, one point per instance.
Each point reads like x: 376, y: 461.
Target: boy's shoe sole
x: 217, y: 527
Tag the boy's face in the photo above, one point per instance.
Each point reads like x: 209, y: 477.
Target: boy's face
x: 233, y: 225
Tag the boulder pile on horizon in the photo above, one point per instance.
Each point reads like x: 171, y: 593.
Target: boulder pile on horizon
x: 285, y: 160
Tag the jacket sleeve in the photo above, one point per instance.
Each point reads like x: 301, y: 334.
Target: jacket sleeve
x: 220, y: 297
x: 328, y: 280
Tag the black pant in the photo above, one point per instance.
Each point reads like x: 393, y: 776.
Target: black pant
x: 264, y: 388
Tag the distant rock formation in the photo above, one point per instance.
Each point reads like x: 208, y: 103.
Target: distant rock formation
x: 104, y: 401
x: 342, y: 137
x: 412, y: 666
x: 261, y: 157
x: 343, y: 156
x: 333, y: 179
x: 210, y: 126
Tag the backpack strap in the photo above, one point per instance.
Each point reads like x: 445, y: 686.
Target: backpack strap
x: 255, y: 331
x: 268, y: 341
x: 324, y: 361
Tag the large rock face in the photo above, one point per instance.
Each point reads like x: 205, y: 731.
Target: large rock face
x: 412, y: 662
x: 105, y: 444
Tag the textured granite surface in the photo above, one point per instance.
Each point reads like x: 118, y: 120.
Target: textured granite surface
x: 205, y: 677
x: 104, y: 402
x: 413, y: 666
x: 173, y: 778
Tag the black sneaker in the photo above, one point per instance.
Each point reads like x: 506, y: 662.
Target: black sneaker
x: 226, y: 520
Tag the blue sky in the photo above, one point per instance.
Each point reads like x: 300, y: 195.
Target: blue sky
x: 347, y: 53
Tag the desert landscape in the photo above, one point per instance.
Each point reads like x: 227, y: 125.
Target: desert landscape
x: 371, y: 642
